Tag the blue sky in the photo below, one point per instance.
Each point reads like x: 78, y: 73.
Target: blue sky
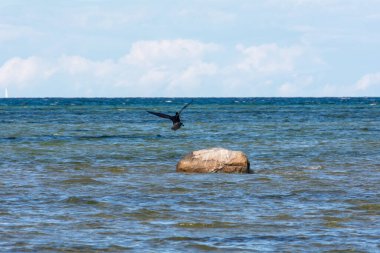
x: 205, y: 48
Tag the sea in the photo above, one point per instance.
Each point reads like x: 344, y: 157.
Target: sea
x: 99, y: 175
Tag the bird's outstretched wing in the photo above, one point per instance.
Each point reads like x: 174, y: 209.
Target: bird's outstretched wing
x: 185, y: 107
x: 162, y: 115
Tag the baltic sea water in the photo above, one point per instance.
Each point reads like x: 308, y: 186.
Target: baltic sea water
x: 98, y: 175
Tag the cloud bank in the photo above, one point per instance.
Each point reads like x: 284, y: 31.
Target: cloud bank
x: 177, y: 67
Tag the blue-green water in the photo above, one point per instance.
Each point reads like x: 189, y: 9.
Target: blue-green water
x: 98, y: 175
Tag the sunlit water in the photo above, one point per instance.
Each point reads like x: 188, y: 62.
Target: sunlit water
x: 98, y: 175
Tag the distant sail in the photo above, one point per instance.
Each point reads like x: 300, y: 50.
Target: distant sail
x: 6, y: 92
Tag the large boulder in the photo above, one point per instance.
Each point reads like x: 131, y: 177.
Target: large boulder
x: 214, y: 160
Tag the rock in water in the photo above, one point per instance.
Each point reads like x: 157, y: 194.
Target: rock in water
x: 214, y: 160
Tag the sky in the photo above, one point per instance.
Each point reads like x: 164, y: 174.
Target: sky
x: 192, y: 48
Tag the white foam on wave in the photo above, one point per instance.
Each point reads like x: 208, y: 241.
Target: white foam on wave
x: 315, y: 167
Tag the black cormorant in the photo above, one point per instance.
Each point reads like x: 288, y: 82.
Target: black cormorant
x: 175, y: 119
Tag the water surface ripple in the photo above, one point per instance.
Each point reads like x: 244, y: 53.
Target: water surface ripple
x: 98, y: 175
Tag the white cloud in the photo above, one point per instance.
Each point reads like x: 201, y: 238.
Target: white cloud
x: 269, y: 58
x: 367, y: 85
x: 77, y: 65
x: 299, y: 86
x: 155, y: 75
x: 368, y: 81
x: 18, y: 71
x: 150, y: 68
x: 166, y: 67
x: 180, y: 68
x: 148, y: 53
x: 188, y: 80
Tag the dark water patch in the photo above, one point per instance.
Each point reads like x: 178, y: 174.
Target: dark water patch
x: 106, y: 216
x: 148, y: 215
x: 202, y: 247
x: 199, y: 225
x: 197, y: 244
x: 346, y: 250
x: 69, y: 167
x: 54, y: 143
x: 59, y: 139
x: 137, y: 136
x: 83, y: 201
x: 72, y: 248
x: 259, y: 238
x: 275, y: 196
x: 64, y: 218
x: 335, y: 222
x: 280, y: 217
x: 10, y: 138
x: 115, y: 169
x: 178, y: 190
x: 368, y: 208
x: 90, y: 225
x: 180, y: 238
x: 263, y: 179
x: 99, y: 137
x: 77, y: 163
x: 4, y: 213
x: 47, y: 139
x: 82, y: 181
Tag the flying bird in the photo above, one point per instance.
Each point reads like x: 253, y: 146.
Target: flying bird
x: 175, y: 119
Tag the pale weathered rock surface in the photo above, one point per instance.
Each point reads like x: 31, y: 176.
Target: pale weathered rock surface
x: 214, y: 160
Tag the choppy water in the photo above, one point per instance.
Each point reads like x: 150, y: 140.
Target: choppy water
x: 98, y: 175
